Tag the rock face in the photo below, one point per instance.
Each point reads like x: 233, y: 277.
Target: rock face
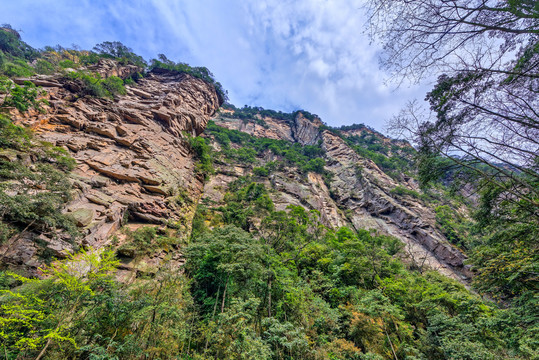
x: 359, y: 194
x: 132, y: 153
x: 134, y: 160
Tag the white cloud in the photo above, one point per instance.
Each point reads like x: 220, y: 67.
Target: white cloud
x: 309, y: 54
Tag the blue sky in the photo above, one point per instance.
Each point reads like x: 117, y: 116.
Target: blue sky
x: 279, y: 54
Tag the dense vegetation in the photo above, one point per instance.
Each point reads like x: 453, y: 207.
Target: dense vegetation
x: 18, y: 59
x: 481, y: 129
x: 394, y: 159
x: 258, y: 113
x: 289, y: 289
x: 247, y: 149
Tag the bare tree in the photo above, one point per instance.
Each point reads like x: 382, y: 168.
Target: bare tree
x: 448, y: 36
x: 484, y: 109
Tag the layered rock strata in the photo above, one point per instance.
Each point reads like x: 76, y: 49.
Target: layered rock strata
x: 132, y: 154
x: 359, y: 194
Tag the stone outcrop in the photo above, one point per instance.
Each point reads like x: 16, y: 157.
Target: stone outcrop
x: 359, y: 194
x: 132, y: 154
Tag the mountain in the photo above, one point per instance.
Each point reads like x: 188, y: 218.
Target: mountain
x: 143, y: 216
x: 134, y: 159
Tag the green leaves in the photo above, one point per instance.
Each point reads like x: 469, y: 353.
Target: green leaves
x: 21, y: 97
x: 94, y: 85
x: 199, y: 72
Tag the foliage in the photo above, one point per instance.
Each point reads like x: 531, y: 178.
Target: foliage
x: 393, y: 159
x: 245, y: 201
x: 21, y: 97
x: 481, y: 128
x: 308, y: 158
x: 257, y: 114
x: 11, y: 43
x: 32, y: 196
x: 199, y: 72
x: 44, y: 67
x: 146, y: 240
x: 38, y: 314
x: 401, y: 190
x: 454, y: 226
x: 94, y: 85
x: 203, y: 154
x: 118, y: 51
x: 311, y: 290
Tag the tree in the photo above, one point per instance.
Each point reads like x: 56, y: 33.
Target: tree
x: 41, y: 312
x: 449, y: 36
x: 483, y: 125
x: 116, y: 49
x: 484, y: 106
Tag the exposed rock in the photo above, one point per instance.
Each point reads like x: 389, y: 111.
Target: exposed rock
x: 359, y: 194
x: 107, y: 68
x: 128, y: 159
x: 82, y: 217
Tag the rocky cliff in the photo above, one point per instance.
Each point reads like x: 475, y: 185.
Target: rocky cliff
x: 358, y: 195
x: 132, y: 154
x: 135, y: 164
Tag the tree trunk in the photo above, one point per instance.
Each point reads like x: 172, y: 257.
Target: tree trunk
x: 224, y: 296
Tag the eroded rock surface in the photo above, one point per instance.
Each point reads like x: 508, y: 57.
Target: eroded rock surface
x: 132, y: 153
x: 359, y: 194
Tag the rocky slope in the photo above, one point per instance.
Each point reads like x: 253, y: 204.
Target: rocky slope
x: 359, y: 194
x: 134, y: 162
x: 133, y: 157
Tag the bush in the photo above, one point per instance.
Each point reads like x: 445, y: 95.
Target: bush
x: 11, y: 43
x: 260, y: 171
x: 305, y: 158
x: 65, y: 64
x: 22, y: 97
x: 402, y: 191
x: 44, y: 67
x: 117, y: 50
x: 94, y: 85
x: 145, y: 241
x: 17, y: 68
x: 203, y: 154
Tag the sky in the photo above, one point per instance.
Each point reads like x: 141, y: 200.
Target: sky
x: 278, y: 54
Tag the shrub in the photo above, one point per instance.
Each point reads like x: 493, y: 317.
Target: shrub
x: 117, y: 50
x: 22, y: 97
x: 65, y: 64
x: 94, y: 85
x: 145, y: 241
x: 13, y: 136
x: 260, y: 171
x: 11, y: 43
x: 203, y: 154
x: 402, y: 191
x: 17, y: 68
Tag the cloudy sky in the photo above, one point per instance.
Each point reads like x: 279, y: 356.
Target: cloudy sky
x: 279, y: 54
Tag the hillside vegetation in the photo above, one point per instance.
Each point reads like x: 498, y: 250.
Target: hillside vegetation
x: 258, y: 280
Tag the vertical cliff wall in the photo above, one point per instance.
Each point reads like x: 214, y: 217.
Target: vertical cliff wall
x: 358, y: 195
x: 132, y: 153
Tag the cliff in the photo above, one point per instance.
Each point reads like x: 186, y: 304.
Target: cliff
x: 359, y: 195
x: 134, y: 165
x: 133, y: 160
